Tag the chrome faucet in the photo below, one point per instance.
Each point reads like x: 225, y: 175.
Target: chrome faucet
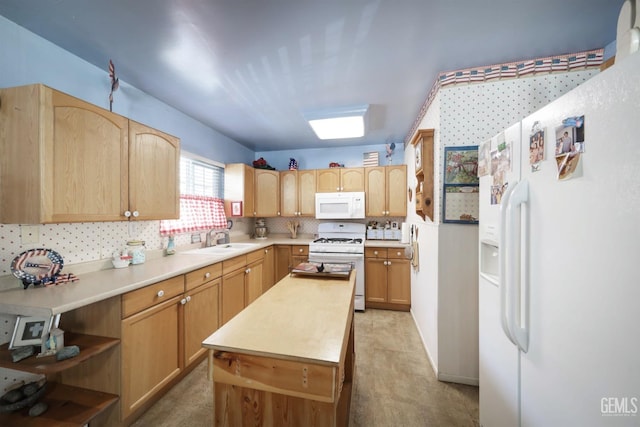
x: 221, y: 236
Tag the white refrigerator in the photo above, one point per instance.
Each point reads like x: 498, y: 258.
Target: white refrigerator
x: 559, y: 313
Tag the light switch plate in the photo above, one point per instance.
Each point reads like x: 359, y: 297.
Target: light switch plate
x: 29, y: 234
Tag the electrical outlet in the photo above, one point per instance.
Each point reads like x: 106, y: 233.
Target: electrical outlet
x: 29, y: 234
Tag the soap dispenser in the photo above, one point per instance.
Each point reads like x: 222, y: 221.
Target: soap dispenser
x: 171, y: 246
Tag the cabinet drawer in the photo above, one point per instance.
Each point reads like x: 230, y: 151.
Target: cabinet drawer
x: 233, y: 264
x: 297, y: 250
x: 138, y: 300
x: 255, y: 256
x: 397, y: 253
x: 202, y: 275
x: 375, y: 252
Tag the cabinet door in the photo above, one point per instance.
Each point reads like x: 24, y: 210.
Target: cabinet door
x: 151, y: 353
x: 396, y: 189
x: 375, y: 276
x: 85, y: 163
x: 289, y: 193
x: 154, y: 177
x: 267, y: 193
x: 399, y: 281
x: 201, y: 318
x: 307, y: 193
x: 283, y: 261
x: 268, y: 270
x: 328, y: 180
x: 232, y: 294
x: 238, y: 187
x: 253, y: 281
x: 352, y: 179
x: 375, y: 200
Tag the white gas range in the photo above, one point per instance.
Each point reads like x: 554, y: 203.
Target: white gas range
x: 342, y: 242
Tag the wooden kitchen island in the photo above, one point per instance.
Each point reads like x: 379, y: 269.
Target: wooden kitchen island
x: 288, y: 358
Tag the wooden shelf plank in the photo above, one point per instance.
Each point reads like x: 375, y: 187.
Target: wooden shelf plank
x: 90, y: 345
x: 68, y: 406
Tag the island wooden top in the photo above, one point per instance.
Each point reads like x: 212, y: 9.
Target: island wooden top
x: 300, y: 318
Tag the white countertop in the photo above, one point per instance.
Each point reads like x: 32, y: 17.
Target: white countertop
x: 278, y: 323
x: 99, y: 285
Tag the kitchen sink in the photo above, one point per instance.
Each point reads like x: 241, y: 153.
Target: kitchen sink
x: 222, y: 249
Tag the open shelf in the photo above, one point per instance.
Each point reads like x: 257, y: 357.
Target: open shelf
x: 423, y: 147
x: 90, y: 346
x: 68, y: 406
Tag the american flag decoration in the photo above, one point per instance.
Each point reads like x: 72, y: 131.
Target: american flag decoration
x: 370, y: 159
x: 115, y: 82
x: 447, y: 78
x: 508, y: 70
x: 559, y: 63
x: 526, y: 67
x: 491, y: 73
x: 578, y: 60
x: 476, y: 76
x: 595, y: 58
x: 462, y: 76
x: 543, y: 65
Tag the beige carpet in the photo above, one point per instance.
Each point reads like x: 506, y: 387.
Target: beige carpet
x: 394, y: 384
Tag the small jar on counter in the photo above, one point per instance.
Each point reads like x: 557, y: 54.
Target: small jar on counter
x: 136, y: 250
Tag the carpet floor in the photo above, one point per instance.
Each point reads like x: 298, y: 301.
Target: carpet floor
x: 394, y: 384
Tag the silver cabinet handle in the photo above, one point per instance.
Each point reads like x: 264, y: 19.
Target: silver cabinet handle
x: 207, y: 275
x: 397, y: 253
x: 301, y: 250
x: 188, y: 298
x: 247, y: 271
x: 183, y: 301
x: 375, y: 252
x: 136, y: 214
x: 127, y: 214
x: 160, y: 293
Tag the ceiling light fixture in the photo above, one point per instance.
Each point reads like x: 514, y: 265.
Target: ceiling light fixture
x: 342, y: 123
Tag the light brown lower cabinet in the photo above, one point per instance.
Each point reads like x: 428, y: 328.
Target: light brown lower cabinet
x: 242, y: 283
x: 387, y: 279
x: 163, y: 326
x: 287, y: 257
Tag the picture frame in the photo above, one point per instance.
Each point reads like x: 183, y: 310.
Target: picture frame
x: 460, y: 201
x: 30, y: 330
x: 236, y: 208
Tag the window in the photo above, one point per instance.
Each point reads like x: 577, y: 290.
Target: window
x: 200, y: 178
x: 201, y: 198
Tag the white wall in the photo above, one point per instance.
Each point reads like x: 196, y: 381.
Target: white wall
x: 444, y: 296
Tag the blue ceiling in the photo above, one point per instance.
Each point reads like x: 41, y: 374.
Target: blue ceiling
x: 251, y: 68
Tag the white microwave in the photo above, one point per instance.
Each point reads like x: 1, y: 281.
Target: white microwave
x: 346, y: 205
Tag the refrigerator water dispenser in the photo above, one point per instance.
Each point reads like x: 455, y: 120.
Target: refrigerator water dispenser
x: 489, y: 261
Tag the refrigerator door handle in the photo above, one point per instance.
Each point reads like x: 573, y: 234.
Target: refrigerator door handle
x: 503, y: 261
x: 517, y: 278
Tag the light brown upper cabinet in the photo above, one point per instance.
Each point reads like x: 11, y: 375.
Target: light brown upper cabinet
x: 297, y: 193
x: 66, y: 160
x: 340, y: 179
x: 239, y: 187
x: 154, y: 173
x: 267, y: 193
x: 386, y: 190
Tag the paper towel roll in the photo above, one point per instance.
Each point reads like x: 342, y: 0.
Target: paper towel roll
x: 405, y: 233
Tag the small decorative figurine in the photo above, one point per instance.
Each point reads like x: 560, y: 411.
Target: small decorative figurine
x: 293, y: 164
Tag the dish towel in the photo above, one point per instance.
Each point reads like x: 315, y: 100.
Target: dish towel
x: 415, y: 260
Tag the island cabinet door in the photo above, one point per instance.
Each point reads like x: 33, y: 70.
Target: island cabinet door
x: 151, y: 353
x: 201, y: 318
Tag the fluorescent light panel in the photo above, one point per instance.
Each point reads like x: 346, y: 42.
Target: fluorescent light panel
x: 338, y: 124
